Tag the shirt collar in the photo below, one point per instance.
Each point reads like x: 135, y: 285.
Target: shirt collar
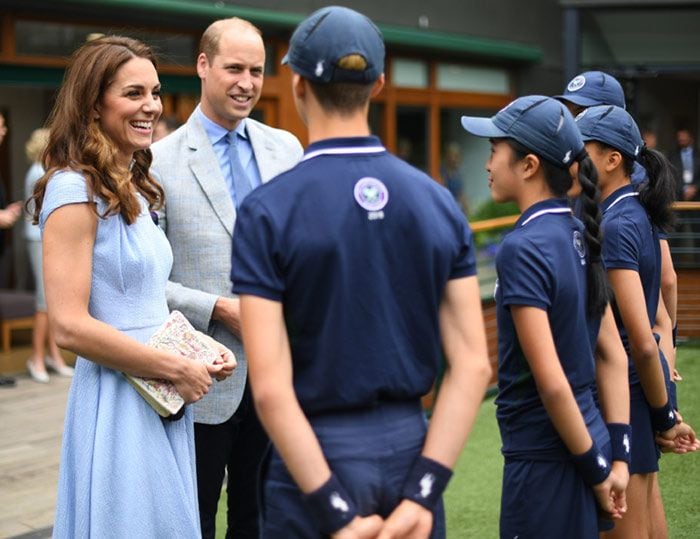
x: 214, y: 131
x: 625, y: 190
x: 344, y: 145
x: 550, y: 205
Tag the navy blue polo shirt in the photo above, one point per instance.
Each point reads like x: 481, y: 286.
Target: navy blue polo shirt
x: 358, y: 246
x: 542, y: 263
x: 632, y: 242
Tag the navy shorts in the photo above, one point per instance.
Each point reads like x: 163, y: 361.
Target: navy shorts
x: 548, y: 500
x: 644, y: 452
x: 370, y: 452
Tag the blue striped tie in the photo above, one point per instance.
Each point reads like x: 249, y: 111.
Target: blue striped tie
x: 241, y: 183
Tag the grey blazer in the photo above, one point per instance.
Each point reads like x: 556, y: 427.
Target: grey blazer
x: 198, y: 219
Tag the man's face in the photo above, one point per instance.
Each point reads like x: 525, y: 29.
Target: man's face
x: 683, y: 138
x: 232, y: 80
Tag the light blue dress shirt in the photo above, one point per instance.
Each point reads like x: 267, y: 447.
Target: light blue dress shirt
x: 217, y: 137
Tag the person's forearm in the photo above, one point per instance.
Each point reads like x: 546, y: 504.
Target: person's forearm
x: 467, y: 371
x: 454, y: 413
x: 664, y: 329
x: 270, y: 374
x: 669, y: 282
x: 196, y: 305
x: 103, y: 344
x: 296, y: 442
x: 612, y: 372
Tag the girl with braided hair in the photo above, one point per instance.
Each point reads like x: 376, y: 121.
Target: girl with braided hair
x: 633, y: 215
x: 557, y: 337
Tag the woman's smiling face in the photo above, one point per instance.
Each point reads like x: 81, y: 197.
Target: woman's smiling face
x: 131, y: 106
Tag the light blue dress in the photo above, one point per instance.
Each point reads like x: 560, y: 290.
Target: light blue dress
x: 124, y: 471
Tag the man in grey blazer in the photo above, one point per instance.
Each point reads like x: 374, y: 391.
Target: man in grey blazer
x: 200, y: 167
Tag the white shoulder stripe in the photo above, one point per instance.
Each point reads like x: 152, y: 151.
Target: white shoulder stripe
x: 344, y: 151
x: 543, y: 212
x: 618, y: 199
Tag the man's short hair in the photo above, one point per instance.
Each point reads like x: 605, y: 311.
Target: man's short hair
x: 209, y: 42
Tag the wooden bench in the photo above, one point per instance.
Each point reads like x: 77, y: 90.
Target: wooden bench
x: 17, y: 310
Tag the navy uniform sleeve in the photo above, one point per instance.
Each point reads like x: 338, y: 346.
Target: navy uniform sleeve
x: 621, y: 245
x: 254, y: 267
x: 465, y: 262
x: 524, y: 277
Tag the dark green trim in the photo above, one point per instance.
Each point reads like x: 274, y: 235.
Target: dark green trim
x: 394, y: 35
x: 51, y: 77
x: 14, y: 75
x: 179, y: 84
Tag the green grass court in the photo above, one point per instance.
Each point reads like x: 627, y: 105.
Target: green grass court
x: 473, y: 498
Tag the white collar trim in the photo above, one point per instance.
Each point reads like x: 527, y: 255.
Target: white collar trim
x: 344, y: 151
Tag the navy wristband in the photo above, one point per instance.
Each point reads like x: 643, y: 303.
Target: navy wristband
x: 426, y: 482
x: 663, y: 418
x: 620, y: 441
x: 674, y: 334
x: 331, y: 506
x: 592, y: 465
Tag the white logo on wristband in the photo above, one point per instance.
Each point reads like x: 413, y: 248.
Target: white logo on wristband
x: 626, y: 443
x: 337, y: 502
x: 602, y: 462
x: 426, y: 485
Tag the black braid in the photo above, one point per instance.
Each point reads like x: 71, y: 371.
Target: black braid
x: 598, y: 292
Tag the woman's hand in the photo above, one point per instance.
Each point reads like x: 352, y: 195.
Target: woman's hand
x: 193, y: 379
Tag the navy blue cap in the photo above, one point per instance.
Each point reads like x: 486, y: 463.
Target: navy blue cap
x: 542, y: 124
x: 612, y: 126
x: 329, y: 34
x: 594, y: 88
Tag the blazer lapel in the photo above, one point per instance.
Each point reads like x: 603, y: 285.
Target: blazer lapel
x: 205, y: 166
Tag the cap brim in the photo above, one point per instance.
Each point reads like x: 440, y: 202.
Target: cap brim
x: 482, y: 127
x: 285, y: 59
x: 578, y: 100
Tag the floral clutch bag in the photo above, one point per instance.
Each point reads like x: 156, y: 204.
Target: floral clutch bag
x: 175, y: 335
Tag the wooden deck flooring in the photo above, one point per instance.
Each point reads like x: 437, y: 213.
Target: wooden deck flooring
x: 31, y: 424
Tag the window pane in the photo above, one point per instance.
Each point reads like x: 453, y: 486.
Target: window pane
x: 36, y: 38
x: 411, y: 135
x: 462, y: 170
x: 271, y: 59
x: 463, y: 78
x: 463, y: 157
x: 409, y: 73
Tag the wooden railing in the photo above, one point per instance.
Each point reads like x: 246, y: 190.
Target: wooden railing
x: 685, y: 250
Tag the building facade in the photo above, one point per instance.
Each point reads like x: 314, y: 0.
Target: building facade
x: 445, y: 58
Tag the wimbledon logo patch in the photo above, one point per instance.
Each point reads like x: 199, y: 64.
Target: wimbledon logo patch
x: 371, y: 194
x: 576, y: 83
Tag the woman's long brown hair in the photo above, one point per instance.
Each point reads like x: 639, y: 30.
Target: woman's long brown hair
x: 77, y: 142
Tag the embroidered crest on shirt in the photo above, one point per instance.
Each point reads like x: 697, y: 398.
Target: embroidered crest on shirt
x: 372, y: 195
x: 580, y: 247
x: 337, y: 502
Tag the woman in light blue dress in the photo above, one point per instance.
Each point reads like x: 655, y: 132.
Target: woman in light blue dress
x: 125, y: 472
